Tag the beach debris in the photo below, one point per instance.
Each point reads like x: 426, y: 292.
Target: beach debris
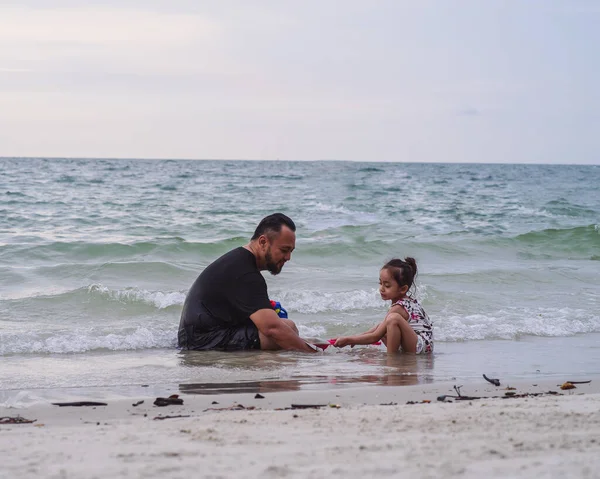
x: 458, y: 397
x: 509, y: 388
x: 160, y: 418
x: 495, y: 382
x: 388, y: 404
x: 308, y: 406
x: 465, y: 398
x: 335, y: 406
x: 259, y: 396
x: 215, y: 402
x: 580, y: 382
x: 138, y: 403
x: 79, y: 404
x: 513, y: 395
x: 173, y: 399
x: 424, y: 401
x: 15, y: 420
x: 507, y: 395
x: 461, y: 397
x: 567, y: 385
x: 235, y: 407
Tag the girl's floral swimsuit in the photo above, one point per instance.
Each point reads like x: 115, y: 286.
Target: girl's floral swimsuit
x: 420, y: 322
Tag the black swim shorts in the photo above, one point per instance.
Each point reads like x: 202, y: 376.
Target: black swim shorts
x: 236, y: 338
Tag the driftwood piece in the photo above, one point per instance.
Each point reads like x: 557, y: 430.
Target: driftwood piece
x: 495, y: 382
x: 174, y: 399
x: 308, y: 406
x: 160, y: 418
x: 15, y: 420
x: 235, y: 407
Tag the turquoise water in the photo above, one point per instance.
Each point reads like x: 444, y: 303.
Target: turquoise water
x: 96, y: 257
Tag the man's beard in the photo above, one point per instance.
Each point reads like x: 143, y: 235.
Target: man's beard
x: 272, y: 267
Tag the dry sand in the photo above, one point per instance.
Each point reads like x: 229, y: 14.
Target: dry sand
x: 543, y: 436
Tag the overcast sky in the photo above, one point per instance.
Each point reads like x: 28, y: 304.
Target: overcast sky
x: 373, y: 80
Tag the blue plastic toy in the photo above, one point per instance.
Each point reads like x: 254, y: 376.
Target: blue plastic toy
x: 276, y: 305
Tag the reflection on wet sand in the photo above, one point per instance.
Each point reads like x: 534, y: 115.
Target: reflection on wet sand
x: 397, y: 370
x: 260, y: 360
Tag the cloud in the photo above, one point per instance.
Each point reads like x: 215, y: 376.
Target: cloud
x: 104, y: 39
x: 385, y: 80
x: 469, y: 111
x: 14, y: 70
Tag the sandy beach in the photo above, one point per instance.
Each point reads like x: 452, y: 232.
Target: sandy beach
x: 358, y: 432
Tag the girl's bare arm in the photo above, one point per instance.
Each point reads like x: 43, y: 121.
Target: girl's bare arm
x: 368, y: 337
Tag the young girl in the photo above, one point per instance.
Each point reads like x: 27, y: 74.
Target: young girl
x: 406, y: 326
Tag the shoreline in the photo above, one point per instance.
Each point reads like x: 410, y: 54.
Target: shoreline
x: 367, y: 391
x: 122, y: 372
x: 364, y: 434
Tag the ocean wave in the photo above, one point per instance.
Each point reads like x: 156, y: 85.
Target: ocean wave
x: 303, y: 302
x: 161, y: 332
x: 311, y: 302
x: 578, y: 240
x: 330, y: 208
x: 93, y: 251
x: 131, y: 296
x: 312, y: 331
x: 66, y: 179
x: 562, y: 207
x: 90, y: 339
x: 157, y: 299
x: 513, y: 323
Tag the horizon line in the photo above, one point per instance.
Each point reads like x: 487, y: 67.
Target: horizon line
x: 289, y: 161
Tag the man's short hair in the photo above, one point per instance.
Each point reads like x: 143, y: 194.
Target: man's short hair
x: 272, y: 224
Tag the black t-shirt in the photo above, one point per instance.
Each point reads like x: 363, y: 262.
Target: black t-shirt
x: 225, y: 294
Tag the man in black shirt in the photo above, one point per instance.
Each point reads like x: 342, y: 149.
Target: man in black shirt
x: 228, y: 307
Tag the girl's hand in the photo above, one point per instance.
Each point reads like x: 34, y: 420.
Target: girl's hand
x: 341, y: 342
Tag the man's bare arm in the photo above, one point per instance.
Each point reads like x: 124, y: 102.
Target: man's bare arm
x: 269, y: 324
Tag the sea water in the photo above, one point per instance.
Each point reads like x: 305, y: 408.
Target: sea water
x: 96, y: 257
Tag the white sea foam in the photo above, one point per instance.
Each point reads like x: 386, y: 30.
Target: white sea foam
x: 311, y: 331
x: 311, y: 302
x: 90, y: 339
x: 506, y: 324
x: 512, y: 323
x: 330, y: 208
x: 158, y: 299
